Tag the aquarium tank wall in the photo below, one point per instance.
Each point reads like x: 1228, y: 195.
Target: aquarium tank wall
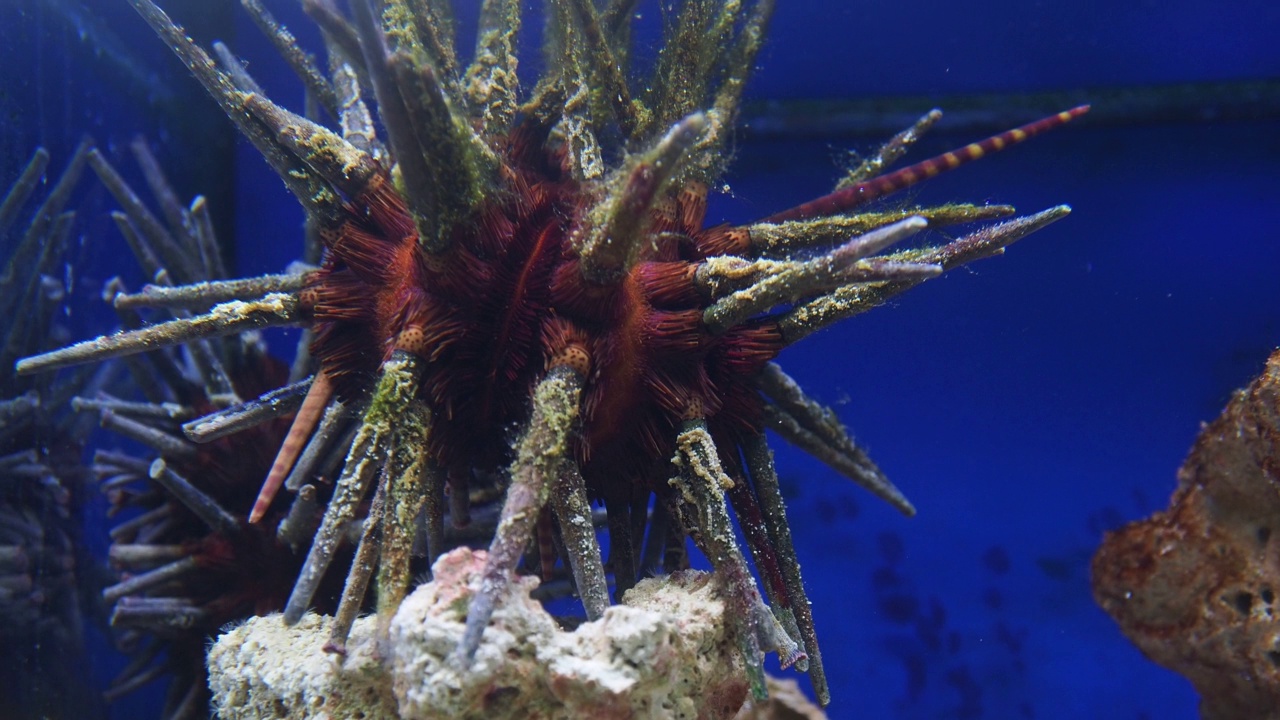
x: 574, y: 258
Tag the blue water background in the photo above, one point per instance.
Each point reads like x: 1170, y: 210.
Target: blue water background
x: 1024, y: 404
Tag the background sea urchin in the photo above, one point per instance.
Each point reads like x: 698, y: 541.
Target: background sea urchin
x: 47, y: 579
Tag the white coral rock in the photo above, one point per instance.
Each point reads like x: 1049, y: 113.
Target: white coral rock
x: 665, y: 653
x: 263, y: 669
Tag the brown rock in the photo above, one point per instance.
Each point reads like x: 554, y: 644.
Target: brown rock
x: 786, y: 702
x: 1195, y: 586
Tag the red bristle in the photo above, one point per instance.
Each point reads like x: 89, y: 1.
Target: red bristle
x: 667, y: 284
x: 666, y: 216
x: 572, y: 294
x: 509, y: 322
x: 652, y: 435
x: 516, y: 186
x: 341, y: 295
x: 366, y: 253
x: 408, y: 307
x: 612, y: 393
x: 743, y: 350
x: 442, y: 328
x: 491, y: 234
x: 692, y: 203
x: 538, y: 197
x: 669, y: 394
x: 667, y: 247
x: 678, y: 332
x: 386, y: 210
x: 217, y: 551
x: 675, y: 390
x: 700, y: 385
x: 456, y: 273
x: 722, y: 240
x: 741, y: 411
x: 595, y: 396
x: 525, y: 277
x: 527, y: 149
x: 344, y: 349
x: 862, y: 193
x: 559, y: 333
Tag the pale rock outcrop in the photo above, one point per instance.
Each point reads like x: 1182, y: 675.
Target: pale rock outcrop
x: 664, y: 653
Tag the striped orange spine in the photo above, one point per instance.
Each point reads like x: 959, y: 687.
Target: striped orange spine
x: 299, y: 432
x: 875, y: 188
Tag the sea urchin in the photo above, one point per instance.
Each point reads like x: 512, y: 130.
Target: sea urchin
x: 528, y: 291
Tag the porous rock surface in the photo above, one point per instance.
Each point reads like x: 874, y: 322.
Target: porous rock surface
x: 663, y: 654
x: 263, y: 669
x: 1195, y: 586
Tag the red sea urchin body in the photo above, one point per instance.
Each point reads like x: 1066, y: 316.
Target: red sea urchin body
x: 508, y: 294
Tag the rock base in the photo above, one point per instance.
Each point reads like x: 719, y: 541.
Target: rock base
x: 664, y: 653
x: 1195, y: 586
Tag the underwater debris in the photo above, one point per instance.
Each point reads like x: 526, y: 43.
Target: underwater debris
x: 545, y: 265
x: 45, y: 575
x: 1194, y: 586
